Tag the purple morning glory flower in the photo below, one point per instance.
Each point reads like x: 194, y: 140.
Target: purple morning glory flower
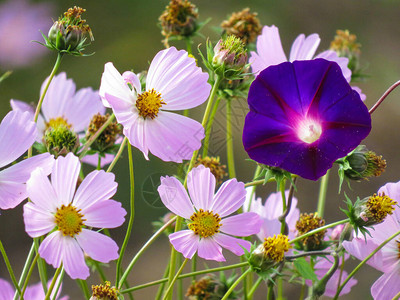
x: 303, y: 117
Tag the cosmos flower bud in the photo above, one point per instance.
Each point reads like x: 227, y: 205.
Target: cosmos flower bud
x: 210, y: 287
x: 109, y: 135
x: 230, y: 53
x: 60, y: 140
x: 307, y: 223
x: 69, y: 33
x: 373, y: 210
x: 104, y: 292
x: 244, y: 25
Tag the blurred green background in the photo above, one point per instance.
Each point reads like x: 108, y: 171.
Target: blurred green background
x: 126, y: 33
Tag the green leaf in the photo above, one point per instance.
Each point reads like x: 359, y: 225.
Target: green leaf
x: 305, y: 269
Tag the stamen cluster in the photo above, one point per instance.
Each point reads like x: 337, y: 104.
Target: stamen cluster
x: 107, y: 138
x: 104, y: 292
x: 379, y: 206
x: 148, y: 103
x: 307, y: 223
x: 276, y: 246
x: 69, y: 220
x: 205, y: 223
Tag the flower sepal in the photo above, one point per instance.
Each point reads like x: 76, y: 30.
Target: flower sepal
x: 260, y: 263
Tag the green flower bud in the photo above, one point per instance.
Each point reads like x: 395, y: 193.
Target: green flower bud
x: 373, y: 210
x: 230, y: 54
x: 364, y: 164
x: 60, y: 140
x: 210, y: 287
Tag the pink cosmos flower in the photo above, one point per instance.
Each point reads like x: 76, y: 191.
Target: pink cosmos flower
x: 387, y: 259
x: 63, y: 104
x: 269, y: 213
x: 174, y: 82
x: 68, y: 215
x: 33, y: 292
x: 17, y: 134
x: 206, y: 214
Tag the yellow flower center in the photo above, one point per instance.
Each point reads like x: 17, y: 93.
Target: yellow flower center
x: 69, y: 220
x: 276, y: 246
x: 205, y: 223
x: 57, y: 122
x: 104, y: 291
x: 149, y: 103
x: 309, y: 131
x: 379, y: 206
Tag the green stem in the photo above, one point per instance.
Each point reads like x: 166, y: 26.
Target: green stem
x: 179, y: 284
x: 9, y: 268
x: 53, y: 282
x: 144, y: 248
x: 99, y: 270
x: 169, y: 292
x: 209, y: 126
x: 270, y: 293
x: 397, y: 296
x: 59, y: 283
x: 162, y: 285
x: 98, y: 162
x: 254, y: 288
x: 119, y: 153
x: 233, y: 286
x: 41, y: 266
x: 91, y: 140
x: 323, y: 188
x: 194, y: 266
x: 280, y: 289
x: 29, y: 275
x: 364, y: 262
x: 188, y: 41
x: 39, y: 105
x: 84, y: 287
x: 283, y: 195
x: 296, y: 239
x: 229, y: 140
x: 26, y: 268
x: 191, y: 274
x: 131, y: 218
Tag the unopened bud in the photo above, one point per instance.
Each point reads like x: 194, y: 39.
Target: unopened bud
x: 307, y: 223
x: 373, y: 210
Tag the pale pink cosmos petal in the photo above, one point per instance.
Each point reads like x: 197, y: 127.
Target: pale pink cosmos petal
x: 17, y: 133
x: 133, y: 80
x: 359, y: 91
x: 210, y: 250
x: 11, y: 194
x: 113, y: 84
x: 6, y: 290
x: 22, y: 107
x: 35, y: 291
x: 180, y: 81
x: 98, y: 246
x: 99, y: 214
x: 387, y: 286
x: 229, y: 198
x: 175, y: 197
x: 52, y: 247
x: 201, y: 187
x: 73, y: 259
x: 244, y: 224
x: 392, y: 190
x: 232, y: 244
x: 341, y: 61
x: 361, y: 249
x: 94, y: 159
x: 173, y: 137
x: 41, y: 192
x: 269, y: 228
x: 97, y: 186
x: 37, y: 221
x: 65, y: 177
x: 58, y: 96
x: 269, y: 50
x: 185, y: 242
x: 303, y: 48
x: 253, y: 204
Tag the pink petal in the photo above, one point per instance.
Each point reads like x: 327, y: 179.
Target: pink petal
x: 113, y: 84
x: 104, y: 214
x: 23, y: 107
x: 185, y: 242
x: 303, y: 48
x: 210, y: 250
x: 132, y: 79
x: 181, y: 83
x: 269, y: 50
x: 98, y: 246
x: 201, y: 186
x: 17, y: 134
x: 332, y: 285
x: 175, y: 197
x: 11, y: 194
x: 244, y: 224
x: 173, y: 137
x: 52, y: 247
x: 232, y: 244
x: 387, y: 286
x: 41, y: 192
x: 359, y: 91
x: 37, y: 221
x: 269, y: 228
x: 229, y: 198
x: 359, y: 249
x: 73, y: 259
x: 94, y: 159
x: 97, y: 186
x: 341, y: 61
x: 6, y: 290
x: 65, y: 177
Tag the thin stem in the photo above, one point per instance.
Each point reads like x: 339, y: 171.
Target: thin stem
x: 209, y: 126
x: 40, y: 102
x: 119, y: 153
x: 29, y: 276
x: 229, y: 140
x: 84, y: 287
x: 283, y: 196
x: 25, y: 269
x: 9, y: 268
x: 319, y: 288
x: 41, y: 266
x: 131, y: 218
x: 381, y: 99
x: 142, y: 286
x: 254, y: 288
x: 171, y: 286
x: 289, y: 202
x: 233, y: 286
x: 162, y: 285
x: 262, y: 181
x: 91, y: 140
x: 364, y: 262
x: 100, y: 270
x: 53, y: 282
x: 397, y: 296
x: 323, y: 188
x: 270, y: 293
x: 143, y: 249
x: 179, y: 284
x: 253, y: 189
x: 59, y: 283
x: 299, y: 238
x: 280, y: 288
x: 309, y: 253
x: 194, y: 266
x: 98, y: 162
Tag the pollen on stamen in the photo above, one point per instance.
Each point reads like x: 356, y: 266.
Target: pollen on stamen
x: 69, y: 220
x: 57, y: 122
x: 276, y: 246
x: 148, y: 103
x: 205, y: 223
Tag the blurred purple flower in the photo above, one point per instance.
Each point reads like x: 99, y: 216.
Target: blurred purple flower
x: 20, y: 22
x: 303, y: 117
